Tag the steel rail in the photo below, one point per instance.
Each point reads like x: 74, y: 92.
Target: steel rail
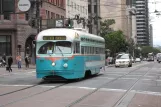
x: 26, y: 97
x: 95, y: 90
x: 129, y: 89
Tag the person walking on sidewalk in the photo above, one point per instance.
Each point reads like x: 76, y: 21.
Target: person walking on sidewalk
x: 27, y: 61
x: 18, y: 58
x: 4, y: 59
x: 10, y: 61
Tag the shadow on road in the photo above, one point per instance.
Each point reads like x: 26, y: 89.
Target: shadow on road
x: 53, y: 79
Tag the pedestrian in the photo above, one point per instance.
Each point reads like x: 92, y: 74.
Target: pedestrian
x: 10, y: 61
x: 27, y: 61
x: 4, y: 59
x: 18, y: 58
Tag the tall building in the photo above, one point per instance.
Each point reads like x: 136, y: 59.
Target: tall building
x: 16, y: 36
x: 123, y: 13
x: 151, y: 35
x: 94, y: 16
x: 77, y: 8
x: 142, y: 22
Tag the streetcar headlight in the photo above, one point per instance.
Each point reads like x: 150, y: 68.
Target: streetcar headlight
x: 65, y: 65
x: 53, y: 64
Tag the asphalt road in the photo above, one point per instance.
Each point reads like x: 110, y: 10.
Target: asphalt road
x: 137, y: 86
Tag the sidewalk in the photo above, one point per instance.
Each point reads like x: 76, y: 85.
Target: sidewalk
x: 31, y: 66
x: 110, y: 65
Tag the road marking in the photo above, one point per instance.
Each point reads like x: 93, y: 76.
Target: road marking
x: 128, y: 78
x: 147, y: 92
x: 87, y: 88
x: 116, y: 90
x: 18, y: 73
x: 90, y: 88
x: 7, y: 85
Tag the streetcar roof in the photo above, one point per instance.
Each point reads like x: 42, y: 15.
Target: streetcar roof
x: 69, y: 33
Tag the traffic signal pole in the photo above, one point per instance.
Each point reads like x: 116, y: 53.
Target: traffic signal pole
x: 38, y: 15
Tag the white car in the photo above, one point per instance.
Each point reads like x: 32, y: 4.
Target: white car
x: 123, y: 60
x: 137, y: 60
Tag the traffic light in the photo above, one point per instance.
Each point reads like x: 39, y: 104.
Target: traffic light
x: 69, y: 23
x: 32, y: 22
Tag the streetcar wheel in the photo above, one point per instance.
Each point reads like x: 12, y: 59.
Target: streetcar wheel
x: 87, y: 74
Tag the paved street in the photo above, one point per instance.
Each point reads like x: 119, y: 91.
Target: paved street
x: 137, y: 86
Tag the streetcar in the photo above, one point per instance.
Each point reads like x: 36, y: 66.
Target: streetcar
x: 150, y: 57
x: 68, y: 54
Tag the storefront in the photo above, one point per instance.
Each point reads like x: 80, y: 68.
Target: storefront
x: 5, y: 45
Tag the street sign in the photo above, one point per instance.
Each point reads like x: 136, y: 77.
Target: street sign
x: 59, y: 23
x: 24, y: 5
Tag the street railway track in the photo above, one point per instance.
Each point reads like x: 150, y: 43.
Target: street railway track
x: 14, y: 101
x: 121, y: 98
x: 47, y: 90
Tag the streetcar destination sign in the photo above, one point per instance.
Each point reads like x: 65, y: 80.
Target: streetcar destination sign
x: 24, y: 5
x: 54, y: 37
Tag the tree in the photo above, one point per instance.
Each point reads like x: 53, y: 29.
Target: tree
x: 115, y: 42
x: 105, y: 27
x: 148, y: 49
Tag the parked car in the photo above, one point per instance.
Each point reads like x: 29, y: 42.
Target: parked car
x: 123, y: 60
x: 159, y: 59
x: 137, y: 60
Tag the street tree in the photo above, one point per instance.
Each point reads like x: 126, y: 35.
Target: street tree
x: 115, y: 42
x: 148, y: 49
x: 105, y: 27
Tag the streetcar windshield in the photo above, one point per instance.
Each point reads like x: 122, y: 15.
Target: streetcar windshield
x: 55, y: 48
x: 63, y: 47
x: 47, y: 48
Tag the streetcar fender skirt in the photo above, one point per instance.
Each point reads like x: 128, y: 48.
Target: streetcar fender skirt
x: 64, y: 74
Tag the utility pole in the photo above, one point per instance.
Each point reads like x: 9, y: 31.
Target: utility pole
x: 38, y: 15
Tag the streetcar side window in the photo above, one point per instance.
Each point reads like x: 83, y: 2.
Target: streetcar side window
x: 76, y: 47
x: 82, y: 49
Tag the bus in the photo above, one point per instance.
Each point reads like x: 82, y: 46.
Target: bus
x: 68, y: 54
x: 150, y: 57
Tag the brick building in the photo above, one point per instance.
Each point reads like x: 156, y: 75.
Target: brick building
x: 16, y: 36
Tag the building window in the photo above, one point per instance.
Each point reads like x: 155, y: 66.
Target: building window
x: 48, y: 15
x: 7, y: 17
x: 89, y: 8
x: 72, y: 4
x: 57, y: 16
x: 68, y: 2
x: 52, y: 15
x: 95, y: 8
x: 78, y: 7
x: 5, y: 45
x: 75, y: 5
x: 62, y: 17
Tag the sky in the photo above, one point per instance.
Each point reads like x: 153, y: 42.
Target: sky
x: 155, y: 20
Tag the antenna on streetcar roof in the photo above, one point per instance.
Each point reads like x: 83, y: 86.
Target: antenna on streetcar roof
x: 81, y: 29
